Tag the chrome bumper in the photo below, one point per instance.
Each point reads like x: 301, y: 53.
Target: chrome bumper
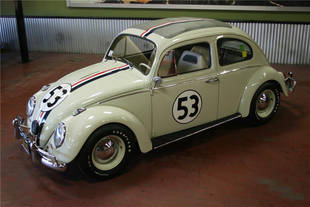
x: 37, y: 154
x: 290, y: 82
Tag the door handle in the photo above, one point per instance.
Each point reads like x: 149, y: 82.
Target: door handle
x: 212, y: 80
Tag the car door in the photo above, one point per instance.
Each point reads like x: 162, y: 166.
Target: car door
x: 188, y: 94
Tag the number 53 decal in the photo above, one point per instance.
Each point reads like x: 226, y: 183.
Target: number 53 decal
x: 186, y: 107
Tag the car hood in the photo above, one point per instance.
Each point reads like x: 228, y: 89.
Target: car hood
x: 83, y: 88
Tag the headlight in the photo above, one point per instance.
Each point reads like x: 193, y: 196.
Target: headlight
x: 30, y: 106
x: 59, y: 134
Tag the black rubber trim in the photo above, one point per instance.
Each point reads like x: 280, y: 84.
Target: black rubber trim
x: 169, y: 138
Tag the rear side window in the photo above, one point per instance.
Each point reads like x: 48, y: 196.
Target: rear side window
x: 233, y: 51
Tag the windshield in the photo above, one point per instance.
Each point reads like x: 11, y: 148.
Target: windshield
x: 133, y: 50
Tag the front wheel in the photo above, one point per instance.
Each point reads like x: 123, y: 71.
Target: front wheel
x: 265, y: 103
x: 107, y: 151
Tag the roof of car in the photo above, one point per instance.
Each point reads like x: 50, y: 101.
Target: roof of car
x: 172, y: 27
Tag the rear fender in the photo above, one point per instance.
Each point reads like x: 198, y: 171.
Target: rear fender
x: 260, y: 77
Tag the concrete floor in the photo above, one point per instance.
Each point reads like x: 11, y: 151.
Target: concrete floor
x: 231, y: 165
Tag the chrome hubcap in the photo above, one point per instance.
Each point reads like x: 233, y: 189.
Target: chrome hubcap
x: 108, y: 152
x: 265, y: 103
x: 105, y: 150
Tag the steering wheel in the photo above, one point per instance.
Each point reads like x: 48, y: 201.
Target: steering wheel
x: 145, y: 66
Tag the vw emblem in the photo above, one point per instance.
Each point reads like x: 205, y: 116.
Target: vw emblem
x: 55, y: 96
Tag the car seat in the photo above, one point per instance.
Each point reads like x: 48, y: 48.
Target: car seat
x: 191, y: 61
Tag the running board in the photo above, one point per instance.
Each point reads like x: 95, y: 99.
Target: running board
x: 164, y: 140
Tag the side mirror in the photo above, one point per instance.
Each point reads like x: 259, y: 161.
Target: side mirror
x: 157, y: 80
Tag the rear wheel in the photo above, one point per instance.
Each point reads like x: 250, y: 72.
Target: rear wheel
x: 107, y: 151
x: 265, y: 103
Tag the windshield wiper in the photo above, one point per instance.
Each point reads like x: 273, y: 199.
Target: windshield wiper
x: 126, y: 61
x: 122, y: 59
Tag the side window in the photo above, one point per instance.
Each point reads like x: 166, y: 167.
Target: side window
x: 185, y: 59
x: 232, y: 51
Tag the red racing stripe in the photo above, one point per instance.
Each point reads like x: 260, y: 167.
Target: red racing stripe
x: 100, y: 73
x: 151, y: 29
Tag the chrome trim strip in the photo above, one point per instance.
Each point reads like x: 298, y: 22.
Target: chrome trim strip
x: 187, y: 81
x: 237, y: 69
x: 201, y: 130
x: 167, y: 86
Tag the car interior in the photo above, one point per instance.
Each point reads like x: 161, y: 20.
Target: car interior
x: 185, y: 59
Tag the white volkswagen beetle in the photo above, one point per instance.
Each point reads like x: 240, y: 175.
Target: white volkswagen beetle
x: 158, y: 83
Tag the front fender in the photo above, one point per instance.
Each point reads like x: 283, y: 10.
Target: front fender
x: 261, y: 76
x: 80, y: 127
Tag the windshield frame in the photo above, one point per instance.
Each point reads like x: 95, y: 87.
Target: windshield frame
x: 106, y: 56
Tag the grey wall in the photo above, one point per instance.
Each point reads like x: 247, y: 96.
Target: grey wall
x: 282, y: 43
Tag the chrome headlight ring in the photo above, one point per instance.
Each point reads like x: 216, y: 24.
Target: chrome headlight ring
x: 30, y: 106
x: 59, y: 134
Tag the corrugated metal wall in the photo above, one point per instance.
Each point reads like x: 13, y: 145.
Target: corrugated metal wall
x: 282, y: 43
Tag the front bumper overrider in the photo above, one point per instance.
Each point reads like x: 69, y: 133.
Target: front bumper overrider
x: 37, y: 154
